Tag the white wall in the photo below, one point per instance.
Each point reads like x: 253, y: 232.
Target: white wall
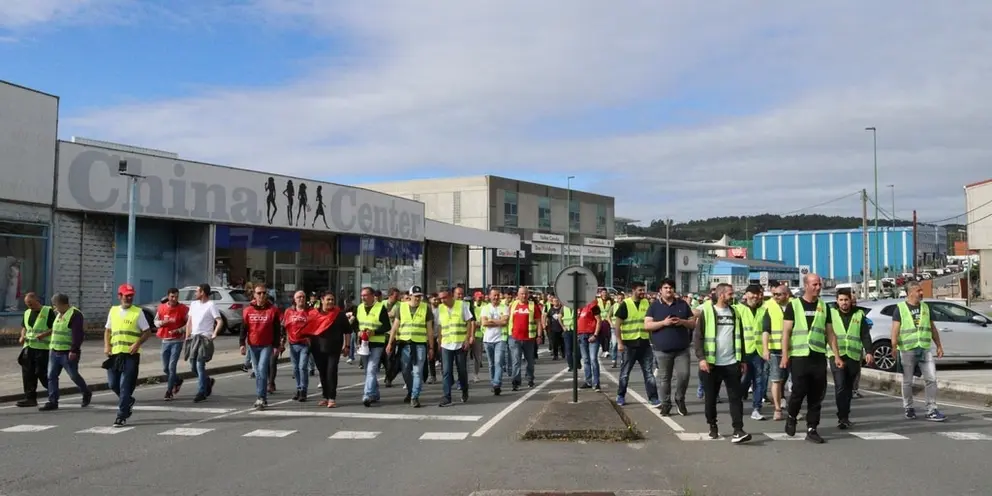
x: 979, y: 216
x: 28, y: 134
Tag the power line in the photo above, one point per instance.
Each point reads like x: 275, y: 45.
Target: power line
x: 822, y: 204
x: 965, y: 215
x: 888, y: 216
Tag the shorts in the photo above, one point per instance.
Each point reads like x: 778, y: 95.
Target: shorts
x: 776, y: 373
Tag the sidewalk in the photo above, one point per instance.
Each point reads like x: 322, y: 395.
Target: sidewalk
x: 227, y: 358
x: 973, y: 385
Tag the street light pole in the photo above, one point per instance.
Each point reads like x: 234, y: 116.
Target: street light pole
x: 878, y: 259
x: 567, y: 257
x: 131, y: 216
x: 892, y: 188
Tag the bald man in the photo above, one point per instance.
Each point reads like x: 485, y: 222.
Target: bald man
x: 806, y: 333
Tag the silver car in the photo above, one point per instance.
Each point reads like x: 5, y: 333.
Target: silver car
x: 964, y: 333
x: 231, y: 303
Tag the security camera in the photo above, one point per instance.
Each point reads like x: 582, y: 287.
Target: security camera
x: 122, y: 166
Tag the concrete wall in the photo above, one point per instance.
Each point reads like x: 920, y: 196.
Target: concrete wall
x: 979, y: 216
x: 83, y: 262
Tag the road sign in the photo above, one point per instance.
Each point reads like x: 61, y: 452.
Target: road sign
x: 764, y: 278
x: 565, y: 283
x: 804, y: 269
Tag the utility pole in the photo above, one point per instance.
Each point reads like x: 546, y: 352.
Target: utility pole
x: 864, y: 235
x: 893, y: 188
x: 915, y: 245
x: 668, y: 225
x: 567, y: 254
x: 132, y: 226
x: 878, y: 259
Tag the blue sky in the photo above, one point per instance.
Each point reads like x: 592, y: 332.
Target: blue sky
x: 679, y: 109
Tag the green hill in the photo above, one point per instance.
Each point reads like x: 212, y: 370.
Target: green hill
x: 746, y: 227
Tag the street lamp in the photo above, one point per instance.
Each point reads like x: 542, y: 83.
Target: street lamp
x: 878, y: 260
x: 131, y: 221
x: 567, y: 256
x: 892, y: 188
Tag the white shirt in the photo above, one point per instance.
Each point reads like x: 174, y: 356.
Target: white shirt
x: 466, y: 316
x: 202, y: 318
x: 494, y: 334
x: 142, y: 321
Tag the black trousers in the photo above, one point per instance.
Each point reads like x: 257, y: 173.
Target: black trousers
x: 430, y: 365
x: 327, y: 367
x: 34, y: 370
x: 809, y: 382
x: 557, y: 344
x: 393, y: 364
x: 729, y: 375
x: 845, y: 380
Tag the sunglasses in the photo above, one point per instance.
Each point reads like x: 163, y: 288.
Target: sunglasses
x: 778, y: 294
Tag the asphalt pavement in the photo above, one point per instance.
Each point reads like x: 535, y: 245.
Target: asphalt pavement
x: 223, y: 447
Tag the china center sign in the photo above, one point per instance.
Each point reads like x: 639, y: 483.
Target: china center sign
x: 88, y: 180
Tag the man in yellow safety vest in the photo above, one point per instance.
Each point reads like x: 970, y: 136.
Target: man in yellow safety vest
x: 66, y: 341
x: 455, y: 321
x: 33, y: 359
x: 413, y: 328
x: 127, y: 329
x: 913, y: 337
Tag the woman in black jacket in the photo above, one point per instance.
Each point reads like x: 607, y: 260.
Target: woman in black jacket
x: 330, y: 333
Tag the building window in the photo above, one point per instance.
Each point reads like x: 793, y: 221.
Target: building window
x: 22, y: 263
x: 510, y: 208
x: 544, y: 214
x: 573, y: 216
x: 601, y: 220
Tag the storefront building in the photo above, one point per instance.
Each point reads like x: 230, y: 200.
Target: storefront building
x: 643, y: 259
x: 28, y: 131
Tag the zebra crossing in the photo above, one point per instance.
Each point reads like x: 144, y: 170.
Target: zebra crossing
x: 25, y: 429
x: 858, y: 435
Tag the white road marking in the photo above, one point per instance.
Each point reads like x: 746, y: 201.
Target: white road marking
x: 185, y: 431
x: 268, y: 433
x: 878, y: 436
x: 28, y: 428
x: 443, y: 436
x: 781, y: 436
x: 249, y: 410
x: 955, y: 405
x: 355, y: 435
x: 104, y: 430
x: 966, y: 436
x: 697, y: 436
x: 146, y: 408
x: 362, y: 415
x: 670, y: 422
x: 512, y: 406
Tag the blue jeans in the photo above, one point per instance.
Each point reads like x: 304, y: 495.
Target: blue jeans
x: 260, y: 358
x: 372, y: 373
x: 171, y: 350
x: 299, y: 355
x: 451, y: 359
x: 496, y: 353
x: 352, y: 345
x: 756, y: 378
x: 507, y: 361
x: 567, y: 337
x: 528, y: 350
x: 590, y: 358
x: 412, y: 356
x: 58, y: 360
x: 643, y: 355
x: 199, y: 367
x: 122, y: 382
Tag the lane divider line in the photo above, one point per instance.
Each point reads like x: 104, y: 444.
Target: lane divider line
x: 513, y: 406
x: 670, y: 422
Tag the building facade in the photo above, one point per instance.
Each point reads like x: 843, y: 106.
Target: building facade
x: 838, y: 255
x: 742, y: 272
x: 557, y: 226
x: 978, y: 200
x: 644, y: 259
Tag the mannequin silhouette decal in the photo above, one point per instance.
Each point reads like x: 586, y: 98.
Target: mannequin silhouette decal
x: 304, y: 207
x: 320, y: 208
x: 289, y: 193
x: 270, y: 199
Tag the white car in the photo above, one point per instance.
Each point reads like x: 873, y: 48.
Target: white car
x: 231, y: 303
x: 965, y: 334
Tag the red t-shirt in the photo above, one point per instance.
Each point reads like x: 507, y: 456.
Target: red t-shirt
x: 294, y: 321
x: 173, y: 317
x: 587, y: 318
x: 521, y: 319
x: 261, y: 325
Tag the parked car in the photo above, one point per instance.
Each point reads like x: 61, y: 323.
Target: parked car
x: 231, y: 303
x: 965, y: 334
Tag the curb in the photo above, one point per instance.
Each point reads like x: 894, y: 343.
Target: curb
x: 552, y: 492
x: 142, y: 381
x: 628, y: 433
x: 892, y: 383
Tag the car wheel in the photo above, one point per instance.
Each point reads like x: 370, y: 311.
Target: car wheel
x: 882, y: 352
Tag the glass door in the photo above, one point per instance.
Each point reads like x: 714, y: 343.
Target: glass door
x: 347, y: 284
x: 285, y: 284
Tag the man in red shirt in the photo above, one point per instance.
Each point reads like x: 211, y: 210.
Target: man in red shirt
x: 260, y: 335
x: 170, y: 319
x: 525, y: 332
x: 588, y: 326
x: 294, y: 320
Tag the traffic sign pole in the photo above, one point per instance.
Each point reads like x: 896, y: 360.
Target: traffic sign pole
x: 576, y: 286
x: 577, y: 278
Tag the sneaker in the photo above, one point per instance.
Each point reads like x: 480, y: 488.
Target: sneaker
x: 200, y: 397
x: 168, y: 396
x: 177, y: 387
x: 800, y: 416
x: 665, y: 410
x: 87, y: 398
x: 597, y: 388
x: 210, y: 386
x: 259, y: 404
x: 680, y: 407
x: 655, y: 403
x: 936, y: 416
x: 530, y: 384
x: 26, y: 403
x: 367, y: 402
x: 350, y: 361
x: 585, y: 385
x: 119, y: 422
x: 740, y: 437
x: 49, y: 406
x: 844, y: 424
x: 756, y: 415
x: 856, y: 394
x: 620, y: 401
x: 464, y: 396
x: 444, y: 403
x: 406, y: 399
x: 415, y: 402
x: 790, y: 426
x: 910, y: 414
x: 813, y: 436
x: 714, y: 432
x: 296, y: 396
x: 303, y: 397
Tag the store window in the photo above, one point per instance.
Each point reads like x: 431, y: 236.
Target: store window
x: 601, y: 220
x: 510, y: 208
x: 22, y: 261
x: 574, y: 223
x: 389, y: 263
x: 544, y: 214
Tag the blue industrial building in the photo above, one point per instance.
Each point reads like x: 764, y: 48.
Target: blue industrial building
x: 740, y: 272
x: 838, y: 254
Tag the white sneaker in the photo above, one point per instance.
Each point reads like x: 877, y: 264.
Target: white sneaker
x: 350, y: 361
x: 655, y: 373
x: 475, y: 378
x: 756, y: 415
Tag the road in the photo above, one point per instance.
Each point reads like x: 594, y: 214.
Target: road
x: 222, y: 447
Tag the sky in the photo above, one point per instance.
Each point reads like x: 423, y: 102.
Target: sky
x: 679, y: 109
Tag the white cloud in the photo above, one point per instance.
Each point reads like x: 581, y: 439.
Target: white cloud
x: 464, y: 87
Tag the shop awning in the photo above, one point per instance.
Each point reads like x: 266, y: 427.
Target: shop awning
x: 460, y: 235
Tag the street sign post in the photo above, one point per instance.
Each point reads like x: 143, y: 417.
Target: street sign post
x: 575, y: 286
x: 763, y: 279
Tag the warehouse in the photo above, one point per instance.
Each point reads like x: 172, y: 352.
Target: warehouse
x: 838, y: 255
x: 740, y: 272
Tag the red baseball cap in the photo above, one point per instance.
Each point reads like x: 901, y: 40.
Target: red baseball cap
x: 125, y: 290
